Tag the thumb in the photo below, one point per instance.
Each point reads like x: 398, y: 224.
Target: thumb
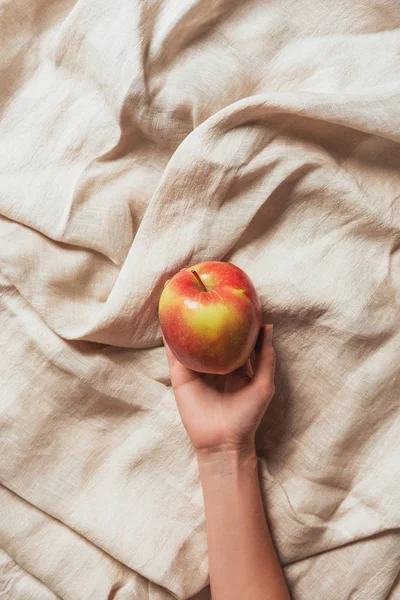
x: 264, y: 370
x: 239, y: 378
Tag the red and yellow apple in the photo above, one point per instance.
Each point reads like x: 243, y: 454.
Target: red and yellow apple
x: 210, y: 316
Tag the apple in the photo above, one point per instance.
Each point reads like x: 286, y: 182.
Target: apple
x: 210, y: 316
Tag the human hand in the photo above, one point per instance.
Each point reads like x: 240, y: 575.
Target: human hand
x: 222, y: 412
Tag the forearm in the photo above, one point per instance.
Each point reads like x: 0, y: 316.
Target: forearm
x: 242, y: 558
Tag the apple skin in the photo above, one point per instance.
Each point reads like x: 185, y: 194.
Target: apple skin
x: 210, y: 325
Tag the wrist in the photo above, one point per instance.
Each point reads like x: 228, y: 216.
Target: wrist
x: 226, y: 458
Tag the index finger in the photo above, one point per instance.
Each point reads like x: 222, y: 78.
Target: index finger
x: 179, y: 373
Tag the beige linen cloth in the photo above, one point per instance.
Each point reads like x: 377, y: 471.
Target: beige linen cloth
x: 137, y: 137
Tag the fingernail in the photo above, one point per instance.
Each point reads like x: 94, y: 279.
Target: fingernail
x: 268, y: 333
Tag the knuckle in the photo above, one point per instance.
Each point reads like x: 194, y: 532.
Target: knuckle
x: 266, y: 387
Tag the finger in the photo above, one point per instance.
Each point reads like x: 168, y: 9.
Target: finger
x: 179, y: 373
x: 264, y: 370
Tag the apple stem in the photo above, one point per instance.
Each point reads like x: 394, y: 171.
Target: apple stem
x: 204, y: 289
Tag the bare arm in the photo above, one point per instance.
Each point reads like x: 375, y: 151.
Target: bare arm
x: 242, y: 558
x: 221, y: 415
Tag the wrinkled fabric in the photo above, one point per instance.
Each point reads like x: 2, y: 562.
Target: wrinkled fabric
x: 137, y: 137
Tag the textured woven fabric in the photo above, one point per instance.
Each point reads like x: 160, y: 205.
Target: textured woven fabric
x: 137, y: 137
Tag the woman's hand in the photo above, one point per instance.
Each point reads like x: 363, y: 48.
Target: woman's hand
x: 222, y: 412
